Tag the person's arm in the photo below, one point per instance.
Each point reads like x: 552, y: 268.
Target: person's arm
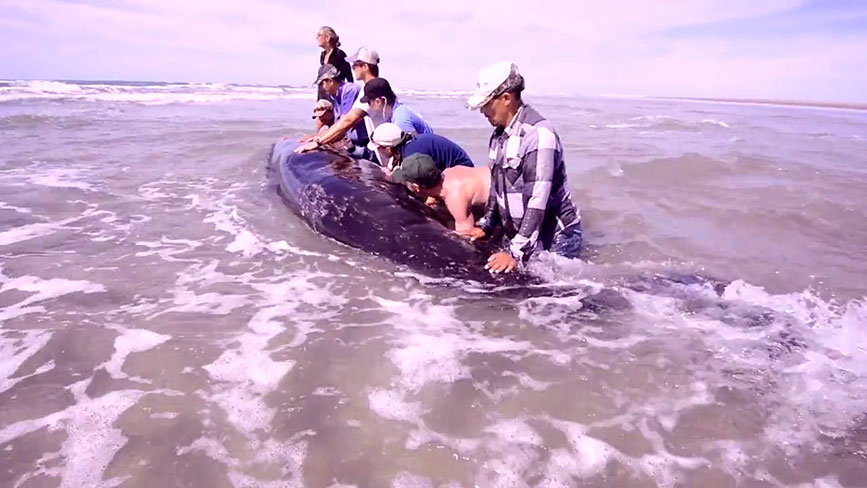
x: 459, y: 207
x: 336, y: 132
x: 486, y: 225
x: 538, y: 165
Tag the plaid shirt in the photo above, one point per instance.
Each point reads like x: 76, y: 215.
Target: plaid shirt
x: 529, y: 194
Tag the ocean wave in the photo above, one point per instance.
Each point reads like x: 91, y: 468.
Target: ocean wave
x: 665, y: 123
x: 160, y: 93
x: 146, y: 93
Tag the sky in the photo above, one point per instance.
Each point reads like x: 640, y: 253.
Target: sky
x: 770, y: 49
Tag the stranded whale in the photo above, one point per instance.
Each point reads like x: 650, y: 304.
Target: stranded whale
x: 350, y: 200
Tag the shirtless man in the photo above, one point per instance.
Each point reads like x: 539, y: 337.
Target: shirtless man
x: 461, y: 188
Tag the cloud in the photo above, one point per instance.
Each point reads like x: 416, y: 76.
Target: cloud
x: 695, y: 48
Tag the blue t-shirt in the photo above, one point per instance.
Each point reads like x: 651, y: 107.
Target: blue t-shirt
x: 444, y: 152
x: 343, y: 102
x: 408, y: 120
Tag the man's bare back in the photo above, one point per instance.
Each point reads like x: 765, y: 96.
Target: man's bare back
x: 465, y: 189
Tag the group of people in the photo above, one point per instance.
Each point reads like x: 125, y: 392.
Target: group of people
x: 523, y: 191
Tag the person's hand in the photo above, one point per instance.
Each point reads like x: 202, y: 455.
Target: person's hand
x: 473, y: 234
x: 430, y: 201
x: 501, y: 262
x: 310, y: 146
x: 307, y: 138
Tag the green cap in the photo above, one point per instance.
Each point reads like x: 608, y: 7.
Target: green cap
x: 419, y: 169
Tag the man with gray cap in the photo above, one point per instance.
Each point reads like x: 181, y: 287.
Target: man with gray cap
x: 529, y: 194
x: 365, y: 66
x: 343, y: 95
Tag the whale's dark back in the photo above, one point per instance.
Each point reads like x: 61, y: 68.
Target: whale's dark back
x: 350, y: 201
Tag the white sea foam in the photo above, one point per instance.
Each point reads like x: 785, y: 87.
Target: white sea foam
x: 41, y: 290
x: 283, y: 460
x: 436, y: 342
x: 60, y: 178
x: 14, y: 351
x: 6, y: 206
x: 244, y: 374
x: 91, y: 438
x: 157, y: 94
x: 131, y: 341
x: 405, y: 479
x: 390, y: 404
x: 32, y: 231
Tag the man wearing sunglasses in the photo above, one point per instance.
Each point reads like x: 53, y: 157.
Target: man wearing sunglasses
x: 529, y: 194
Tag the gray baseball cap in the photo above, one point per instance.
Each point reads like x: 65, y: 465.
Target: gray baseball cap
x: 327, y: 72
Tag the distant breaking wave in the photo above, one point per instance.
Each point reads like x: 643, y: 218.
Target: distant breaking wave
x: 144, y: 93
x: 162, y: 93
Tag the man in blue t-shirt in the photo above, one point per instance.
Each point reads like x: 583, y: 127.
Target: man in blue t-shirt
x: 384, y: 107
x: 343, y: 95
x: 393, y: 145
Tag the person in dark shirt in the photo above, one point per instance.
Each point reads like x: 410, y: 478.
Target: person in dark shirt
x: 393, y: 145
x: 331, y: 54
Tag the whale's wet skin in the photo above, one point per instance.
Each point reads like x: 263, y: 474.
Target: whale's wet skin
x: 167, y: 320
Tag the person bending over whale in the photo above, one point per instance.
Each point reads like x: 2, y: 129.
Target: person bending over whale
x: 343, y: 96
x: 365, y: 66
x: 529, y: 195
x: 384, y: 107
x: 323, y: 114
x: 464, y: 190
x: 393, y: 144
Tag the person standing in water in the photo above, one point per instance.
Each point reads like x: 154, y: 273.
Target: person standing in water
x: 331, y: 54
x: 529, y: 195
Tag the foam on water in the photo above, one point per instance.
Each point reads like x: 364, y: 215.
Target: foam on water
x: 156, y: 94
x: 6, y: 206
x: 282, y: 462
x: 130, y: 341
x: 61, y: 178
x: 405, y: 479
x: 435, y: 342
x: 91, y: 440
x: 32, y: 231
x: 41, y: 290
x: 14, y: 350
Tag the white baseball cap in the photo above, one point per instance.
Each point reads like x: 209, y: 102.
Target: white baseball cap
x: 495, y: 80
x: 385, y: 135
x: 365, y: 54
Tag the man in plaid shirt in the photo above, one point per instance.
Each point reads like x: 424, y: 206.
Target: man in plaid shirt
x: 529, y: 194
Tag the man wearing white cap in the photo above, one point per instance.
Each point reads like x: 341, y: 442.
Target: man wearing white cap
x: 529, y: 193
x: 393, y: 144
x: 365, y: 66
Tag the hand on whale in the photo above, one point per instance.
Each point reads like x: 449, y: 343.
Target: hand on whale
x: 501, y: 262
x: 310, y: 146
x: 473, y: 234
